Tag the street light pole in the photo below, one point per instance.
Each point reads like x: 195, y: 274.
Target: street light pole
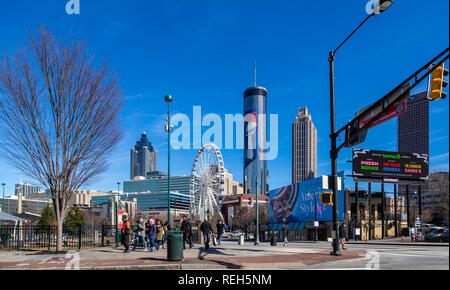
x: 257, y: 213
x: 117, y: 214
x: 3, y: 210
x: 380, y: 6
x: 168, y: 100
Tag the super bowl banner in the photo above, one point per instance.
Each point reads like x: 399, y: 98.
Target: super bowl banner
x: 295, y: 202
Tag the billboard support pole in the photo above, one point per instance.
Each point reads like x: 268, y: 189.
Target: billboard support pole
x: 357, y: 206
x: 370, y: 211
x: 407, y: 206
x: 395, y: 211
x: 383, y: 216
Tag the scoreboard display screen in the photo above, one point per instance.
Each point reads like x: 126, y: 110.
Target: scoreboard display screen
x: 394, y: 165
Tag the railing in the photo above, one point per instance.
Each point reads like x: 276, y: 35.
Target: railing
x: 37, y: 238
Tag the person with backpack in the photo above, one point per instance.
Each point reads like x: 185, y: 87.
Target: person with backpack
x: 186, y: 229
x: 125, y: 237
x: 140, y: 235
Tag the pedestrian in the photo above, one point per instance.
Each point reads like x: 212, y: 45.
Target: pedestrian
x: 125, y: 237
x: 166, y: 228
x: 140, y: 235
x: 186, y: 229
x: 220, y: 228
x: 152, y: 235
x: 342, y: 236
x: 205, y: 227
x: 159, y: 234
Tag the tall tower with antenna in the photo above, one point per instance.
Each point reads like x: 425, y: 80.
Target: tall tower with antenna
x: 255, y: 120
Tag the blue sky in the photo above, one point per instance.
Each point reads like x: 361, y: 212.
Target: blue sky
x: 203, y: 52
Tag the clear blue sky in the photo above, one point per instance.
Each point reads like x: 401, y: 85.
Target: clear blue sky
x: 203, y: 52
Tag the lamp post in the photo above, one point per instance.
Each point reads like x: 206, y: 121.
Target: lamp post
x: 3, y: 210
x: 168, y: 100
x: 380, y: 7
x: 117, y: 214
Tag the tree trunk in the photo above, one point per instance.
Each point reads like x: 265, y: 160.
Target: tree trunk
x: 59, y: 242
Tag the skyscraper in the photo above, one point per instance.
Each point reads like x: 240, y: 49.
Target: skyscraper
x: 255, y: 120
x: 413, y: 126
x: 142, y: 158
x: 304, y: 147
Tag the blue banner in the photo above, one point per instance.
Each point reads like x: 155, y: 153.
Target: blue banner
x: 295, y: 202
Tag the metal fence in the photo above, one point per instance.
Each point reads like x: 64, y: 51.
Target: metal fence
x: 37, y: 238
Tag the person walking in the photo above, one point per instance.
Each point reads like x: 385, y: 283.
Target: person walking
x: 152, y: 235
x: 342, y: 236
x: 159, y: 234
x: 186, y: 229
x: 140, y: 234
x: 206, y: 229
x: 125, y: 237
x: 220, y: 228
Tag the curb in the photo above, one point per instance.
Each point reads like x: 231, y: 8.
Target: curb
x: 399, y: 244
x: 140, y: 267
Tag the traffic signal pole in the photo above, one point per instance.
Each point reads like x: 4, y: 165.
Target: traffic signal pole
x: 333, y: 155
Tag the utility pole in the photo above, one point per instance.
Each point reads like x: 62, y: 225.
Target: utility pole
x: 257, y: 213
x: 168, y: 100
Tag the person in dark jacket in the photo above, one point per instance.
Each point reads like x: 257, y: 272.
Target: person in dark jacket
x: 152, y: 235
x: 187, y: 232
x: 205, y: 227
x: 220, y: 228
x: 125, y: 237
x: 342, y: 236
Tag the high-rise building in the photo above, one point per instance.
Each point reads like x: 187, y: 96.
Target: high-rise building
x: 413, y: 130
x: 413, y: 126
x: 304, y: 147
x: 255, y: 107
x: 27, y: 189
x: 142, y: 158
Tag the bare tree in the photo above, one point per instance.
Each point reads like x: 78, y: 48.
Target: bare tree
x: 60, y: 114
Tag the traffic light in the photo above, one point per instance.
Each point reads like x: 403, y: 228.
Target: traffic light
x: 326, y: 198
x: 438, y: 82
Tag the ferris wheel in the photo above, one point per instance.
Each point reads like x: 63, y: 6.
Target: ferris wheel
x: 207, y: 180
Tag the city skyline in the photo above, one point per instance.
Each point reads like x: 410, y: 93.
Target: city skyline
x: 150, y: 72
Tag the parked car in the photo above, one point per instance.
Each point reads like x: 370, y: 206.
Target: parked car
x: 438, y: 235
x: 428, y: 228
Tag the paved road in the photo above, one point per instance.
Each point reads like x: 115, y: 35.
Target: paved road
x: 386, y: 257
x: 297, y: 255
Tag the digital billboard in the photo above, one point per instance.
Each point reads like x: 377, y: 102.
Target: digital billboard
x: 295, y: 202
x: 389, y: 165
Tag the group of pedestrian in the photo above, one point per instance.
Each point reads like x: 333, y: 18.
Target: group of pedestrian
x: 208, y: 233
x: 150, y: 234
x: 153, y: 234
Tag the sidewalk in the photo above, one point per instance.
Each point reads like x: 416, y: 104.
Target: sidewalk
x: 397, y: 241
x: 227, y: 256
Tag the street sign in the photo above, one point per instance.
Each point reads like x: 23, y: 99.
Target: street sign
x: 389, y: 165
x: 393, y: 112
x: 418, y: 222
x: 364, y: 116
x: 316, y: 224
x: 327, y: 181
x: 357, y: 231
